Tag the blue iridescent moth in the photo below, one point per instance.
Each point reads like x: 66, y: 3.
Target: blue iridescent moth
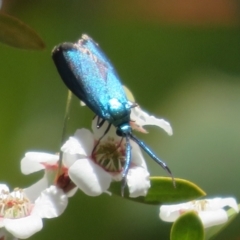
x: 89, y: 74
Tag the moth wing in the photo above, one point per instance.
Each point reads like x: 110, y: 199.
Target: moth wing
x: 88, y: 73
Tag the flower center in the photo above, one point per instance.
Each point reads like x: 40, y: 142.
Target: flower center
x: 14, y: 204
x: 64, y: 182
x: 110, y: 155
x: 200, y: 205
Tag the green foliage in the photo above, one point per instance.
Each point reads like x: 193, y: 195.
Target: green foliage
x: 187, y: 227
x: 15, y: 33
x: 162, y: 191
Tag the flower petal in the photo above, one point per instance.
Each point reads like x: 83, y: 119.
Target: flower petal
x: 89, y: 177
x: 140, y: 118
x: 4, y: 188
x: 210, y: 210
x: 137, y: 157
x: 34, y: 190
x: 82, y: 143
x: 86, y: 139
x: 73, y: 146
x: 24, y: 227
x: 51, y: 203
x: 217, y: 203
x: 32, y: 162
x: 69, y: 159
x: 212, y: 218
x: 167, y: 213
x: 231, y: 202
x: 138, y: 181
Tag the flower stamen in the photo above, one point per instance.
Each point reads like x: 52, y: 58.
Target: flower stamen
x: 110, y: 155
x: 14, y: 204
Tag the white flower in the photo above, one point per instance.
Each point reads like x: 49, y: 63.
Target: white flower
x: 210, y: 211
x: 93, y: 171
x: 139, y: 118
x: 37, y: 161
x: 21, y: 211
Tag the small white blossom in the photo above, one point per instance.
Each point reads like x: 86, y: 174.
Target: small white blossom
x: 21, y: 212
x: 37, y: 161
x: 210, y: 211
x: 139, y: 118
x: 93, y: 166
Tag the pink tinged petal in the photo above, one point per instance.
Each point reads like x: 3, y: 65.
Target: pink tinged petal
x: 169, y: 213
x: 24, y: 227
x: 212, y: 218
x: 89, y: 177
x: 34, y: 190
x: 141, y: 118
x: 138, y: 181
x: 51, y: 203
x: 33, y: 161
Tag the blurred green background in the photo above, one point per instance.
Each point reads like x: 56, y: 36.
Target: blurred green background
x: 182, y: 62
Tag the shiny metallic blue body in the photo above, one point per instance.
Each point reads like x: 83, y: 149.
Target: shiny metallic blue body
x: 91, y: 77
x: 89, y: 74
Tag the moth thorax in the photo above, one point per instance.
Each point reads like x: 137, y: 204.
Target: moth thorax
x: 118, y: 111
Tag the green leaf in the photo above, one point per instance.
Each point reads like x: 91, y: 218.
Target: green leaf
x: 162, y: 191
x: 187, y: 227
x: 17, y: 34
x: 212, y: 232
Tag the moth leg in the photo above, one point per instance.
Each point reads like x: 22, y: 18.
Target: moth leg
x: 100, y: 122
x: 127, y: 164
x: 106, y: 131
x: 150, y: 153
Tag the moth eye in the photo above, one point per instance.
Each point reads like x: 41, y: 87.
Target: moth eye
x: 119, y: 133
